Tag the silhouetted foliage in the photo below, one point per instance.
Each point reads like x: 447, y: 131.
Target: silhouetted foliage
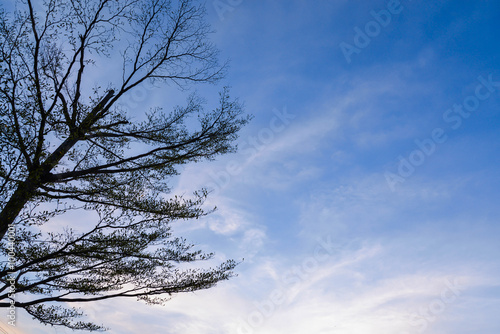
x: 65, y: 147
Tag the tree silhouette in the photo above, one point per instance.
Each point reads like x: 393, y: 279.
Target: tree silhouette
x: 64, y: 146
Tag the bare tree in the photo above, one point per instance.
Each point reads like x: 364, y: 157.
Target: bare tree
x: 75, y: 147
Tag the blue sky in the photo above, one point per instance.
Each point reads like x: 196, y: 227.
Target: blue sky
x: 364, y: 197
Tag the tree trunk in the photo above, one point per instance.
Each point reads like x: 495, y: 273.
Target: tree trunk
x: 24, y: 192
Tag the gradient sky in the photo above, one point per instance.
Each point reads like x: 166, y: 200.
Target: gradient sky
x: 365, y: 195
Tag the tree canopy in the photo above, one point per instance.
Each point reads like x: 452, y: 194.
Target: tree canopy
x: 65, y: 145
